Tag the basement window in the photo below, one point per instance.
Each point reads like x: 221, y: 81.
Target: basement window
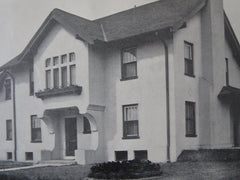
x: 9, y: 155
x: 121, y: 155
x: 141, y: 155
x: 29, y: 156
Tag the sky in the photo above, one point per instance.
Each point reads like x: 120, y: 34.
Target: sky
x: 20, y: 19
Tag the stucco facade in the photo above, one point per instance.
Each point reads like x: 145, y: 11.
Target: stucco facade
x: 99, y: 94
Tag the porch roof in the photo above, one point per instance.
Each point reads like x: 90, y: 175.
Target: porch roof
x: 229, y: 93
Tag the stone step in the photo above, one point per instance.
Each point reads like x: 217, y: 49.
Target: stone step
x: 210, y: 155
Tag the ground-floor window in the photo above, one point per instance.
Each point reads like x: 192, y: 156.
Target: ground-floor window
x: 190, y: 119
x: 36, y: 129
x: 86, y: 126
x: 121, y: 155
x: 130, y: 121
x: 141, y: 155
x: 9, y: 129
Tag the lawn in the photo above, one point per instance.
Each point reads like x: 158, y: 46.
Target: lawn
x: 11, y: 164
x: 178, y: 170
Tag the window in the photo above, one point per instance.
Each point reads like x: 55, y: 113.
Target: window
x: 86, y: 126
x: 190, y: 119
x: 8, y: 91
x: 9, y: 129
x: 48, y: 79
x: 56, y: 78
x: 141, y: 155
x: 188, y: 57
x: 62, y: 72
x: 31, y: 82
x: 129, y: 63
x: 121, y: 155
x: 29, y: 156
x: 130, y: 121
x: 73, y: 74
x: 9, y: 155
x: 36, y: 129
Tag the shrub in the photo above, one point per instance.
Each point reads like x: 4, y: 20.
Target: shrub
x: 12, y: 177
x: 125, y: 170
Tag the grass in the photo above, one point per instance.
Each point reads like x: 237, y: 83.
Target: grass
x: 178, y: 170
x: 11, y: 164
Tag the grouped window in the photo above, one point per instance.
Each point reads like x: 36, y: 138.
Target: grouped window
x: 130, y: 121
x: 36, y: 134
x: 190, y: 119
x: 60, y: 71
x: 9, y: 129
x: 129, y: 63
x: 188, y: 58
x: 8, y: 90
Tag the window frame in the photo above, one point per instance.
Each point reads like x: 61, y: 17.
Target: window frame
x: 125, y: 159
x: 32, y: 129
x: 9, y: 132
x: 125, y: 135
x: 123, y: 74
x: 137, y: 154
x: 190, y: 133
x: 187, y: 60
x: 86, y: 125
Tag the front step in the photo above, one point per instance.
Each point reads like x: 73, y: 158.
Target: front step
x: 58, y: 162
x: 210, y: 155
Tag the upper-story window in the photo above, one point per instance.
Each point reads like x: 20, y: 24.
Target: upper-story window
x: 31, y: 82
x: 60, y: 71
x: 8, y: 91
x: 129, y: 63
x: 188, y: 58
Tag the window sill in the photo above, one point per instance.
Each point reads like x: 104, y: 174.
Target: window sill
x: 190, y: 75
x: 36, y: 141
x: 131, y: 137
x: 88, y: 132
x: 128, y: 78
x: 191, y: 135
x: 8, y: 139
x: 73, y: 89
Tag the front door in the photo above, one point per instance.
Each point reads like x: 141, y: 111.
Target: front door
x: 71, y: 135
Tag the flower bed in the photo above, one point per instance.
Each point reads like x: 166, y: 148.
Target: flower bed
x: 125, y: 170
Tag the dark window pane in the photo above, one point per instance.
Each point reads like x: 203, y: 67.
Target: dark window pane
x: 121, y: 155
x: 72, y: 57
x: 64, y: 58
x: 141, y: 155
x: 8, y: 90
x: 31, y: 81
x: 56, y: 78
x: 9, y: 156
x: 9, y: 129
x: 64, y: 76
x: 130, y: 70
x: 190, y: 119
x: 86, y: 126
x: 55, y: 60
x: 188, y: 56
x: 29, y: 156
x: 48, y: 62
x: 73, y: 74
x: 48, y: 79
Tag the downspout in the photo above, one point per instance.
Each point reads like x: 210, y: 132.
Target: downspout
x: 167, y: 96
x: 14, y: 115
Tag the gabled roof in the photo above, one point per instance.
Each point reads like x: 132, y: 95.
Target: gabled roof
x: 159, y: 15
x: 148, y: 18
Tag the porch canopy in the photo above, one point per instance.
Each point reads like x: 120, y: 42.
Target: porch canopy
x: 229, y: 94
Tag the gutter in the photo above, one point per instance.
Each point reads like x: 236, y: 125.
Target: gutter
x: 14, y: 115
x: 167, y: 96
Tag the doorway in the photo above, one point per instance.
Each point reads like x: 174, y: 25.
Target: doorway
x: 71, y: 136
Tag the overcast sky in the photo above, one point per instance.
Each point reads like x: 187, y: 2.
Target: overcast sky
x: 20, y: 19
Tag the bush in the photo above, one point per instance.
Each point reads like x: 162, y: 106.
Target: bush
x: 125, y: 170
x: 12, y: 177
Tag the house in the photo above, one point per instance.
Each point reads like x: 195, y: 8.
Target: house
x: 146, y: 83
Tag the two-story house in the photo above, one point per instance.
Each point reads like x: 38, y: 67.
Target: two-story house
x: 146, y: 83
